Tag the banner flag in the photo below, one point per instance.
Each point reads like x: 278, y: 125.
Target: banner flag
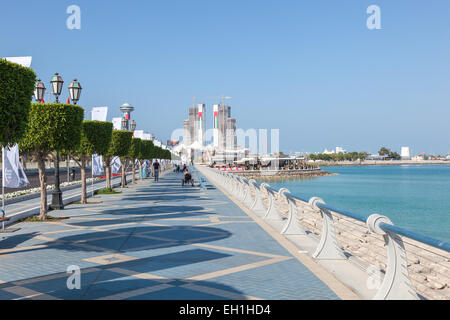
x: 13, y: 174
x: 115, y: 166
x: 97, y: 165
x: 99, y: 113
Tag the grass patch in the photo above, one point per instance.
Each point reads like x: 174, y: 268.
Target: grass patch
x: 106, y: 191
x: 49, y: 219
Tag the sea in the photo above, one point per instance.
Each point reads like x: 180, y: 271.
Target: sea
x: 415, y: 197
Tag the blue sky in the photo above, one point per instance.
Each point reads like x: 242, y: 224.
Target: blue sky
x: 310, y: 68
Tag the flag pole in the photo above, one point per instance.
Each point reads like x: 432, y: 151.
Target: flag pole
x: 3, y: 187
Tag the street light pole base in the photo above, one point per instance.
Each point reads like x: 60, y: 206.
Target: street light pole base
x: 57, y: 203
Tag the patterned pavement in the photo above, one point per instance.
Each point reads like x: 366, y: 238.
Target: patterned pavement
x: 153, y: 241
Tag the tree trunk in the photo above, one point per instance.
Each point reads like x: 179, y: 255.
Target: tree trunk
x: 83, y: 180
x: 108, y: 177
x: 24, y: 162
x: 124, y: 164
x: 43, y: 183
x: 133, y: 176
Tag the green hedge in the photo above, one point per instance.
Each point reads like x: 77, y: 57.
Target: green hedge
x: 16, y: 91
x: 120, y: 143
x: 52, y: 127
x: 95, y: 137
x: 146, y: 150
x: 135, y: 149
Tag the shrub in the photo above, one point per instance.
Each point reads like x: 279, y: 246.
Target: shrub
x: 51, y: 127
x: 95, y: 139
x: 120, y: 144
x: 16, y: 91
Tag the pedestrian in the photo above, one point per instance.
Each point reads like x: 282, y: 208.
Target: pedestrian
x: 156, y: 166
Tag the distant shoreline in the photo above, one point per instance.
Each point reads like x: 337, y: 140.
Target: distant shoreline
x: 382, y: 163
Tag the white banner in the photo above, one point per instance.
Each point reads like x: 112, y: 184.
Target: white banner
x: 97, y: 165
x: 117, y: 123
x: 115, y: 165
x: 13, y: 174
x: 99, y: 113
x: 147, y: 136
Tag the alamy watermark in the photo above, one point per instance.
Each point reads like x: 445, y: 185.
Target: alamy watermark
x: 73, y: 22
x: 374, y: 20
x: 74, y: 280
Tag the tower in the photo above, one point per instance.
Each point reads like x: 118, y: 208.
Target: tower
x: 406, y: 153
x: 126, y: 109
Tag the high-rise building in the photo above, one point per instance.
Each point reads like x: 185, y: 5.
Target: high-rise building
x: 186, y: 134
x: 194, y: 127
x: 201, y: 111
x: 224, y: 128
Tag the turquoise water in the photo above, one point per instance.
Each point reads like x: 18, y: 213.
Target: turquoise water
x: 414, y: 197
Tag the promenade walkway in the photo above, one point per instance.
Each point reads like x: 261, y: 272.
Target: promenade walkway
x: 153, y: 241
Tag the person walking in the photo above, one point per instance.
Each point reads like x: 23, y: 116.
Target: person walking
x: 156, y: 166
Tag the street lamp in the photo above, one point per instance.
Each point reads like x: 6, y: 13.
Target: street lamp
x: 57, y: 203
x: 75, y: 91
x: 57, y: 83
x: 124, y: 124
x: 133, y: 125
x: 39, y: 90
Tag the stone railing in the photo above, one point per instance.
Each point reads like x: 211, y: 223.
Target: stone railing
x: 409, y: 265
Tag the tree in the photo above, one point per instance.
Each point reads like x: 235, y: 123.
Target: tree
x: 95, y: 139
x: 145, y: 153
x: 16, y: 90
x: 384, y: 151
x: 133, y: 155
x: 120, y: 143
x: 362, y: 155
x: 51, y: 127
x: 394, y: 155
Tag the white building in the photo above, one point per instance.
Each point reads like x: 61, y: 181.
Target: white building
x: 406, y: 153
x: 339, y: 150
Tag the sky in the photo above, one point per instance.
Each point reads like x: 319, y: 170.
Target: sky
x: 311, y: 69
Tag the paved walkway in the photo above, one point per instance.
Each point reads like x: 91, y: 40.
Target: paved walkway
x: 153, y: 241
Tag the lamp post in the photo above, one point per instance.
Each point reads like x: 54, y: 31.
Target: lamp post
x: 133, y: 125
x: 57, y: 203
x: 124, y: 124
x: 39, y: 91
x: 57, y: 83
x: 75, y: 91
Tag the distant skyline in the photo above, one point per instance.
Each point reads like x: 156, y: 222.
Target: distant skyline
x: 309, y: 68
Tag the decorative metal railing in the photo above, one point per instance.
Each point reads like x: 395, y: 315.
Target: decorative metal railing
x: 396, y: 283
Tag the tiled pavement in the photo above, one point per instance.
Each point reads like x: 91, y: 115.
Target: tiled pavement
x: 153, y: 241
